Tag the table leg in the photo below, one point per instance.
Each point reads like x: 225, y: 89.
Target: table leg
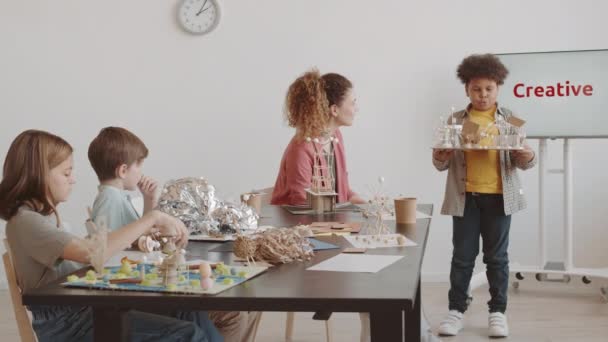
x: 386, y: 326
x: 412, y: 319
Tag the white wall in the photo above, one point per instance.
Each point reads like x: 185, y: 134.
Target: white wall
x: 211, y: 105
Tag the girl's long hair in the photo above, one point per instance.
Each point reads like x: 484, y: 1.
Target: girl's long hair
x: 28, y: 163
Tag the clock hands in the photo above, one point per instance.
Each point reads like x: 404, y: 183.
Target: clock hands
x: 202, y: 10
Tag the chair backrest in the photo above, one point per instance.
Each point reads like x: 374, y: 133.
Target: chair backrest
x: 267, y: 194
x: 22, y: 317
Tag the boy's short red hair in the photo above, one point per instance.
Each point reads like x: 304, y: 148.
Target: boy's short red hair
x: 113, y: 147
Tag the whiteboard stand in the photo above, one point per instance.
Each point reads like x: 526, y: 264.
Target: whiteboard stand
x: 557, y: 272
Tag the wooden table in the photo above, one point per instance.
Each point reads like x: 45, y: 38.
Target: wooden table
x: 391, y: 296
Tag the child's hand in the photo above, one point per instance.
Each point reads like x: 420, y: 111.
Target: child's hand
x: 442, y: 155
x: 168, y: 225
x: 523, y: 156
x: 148, y: 187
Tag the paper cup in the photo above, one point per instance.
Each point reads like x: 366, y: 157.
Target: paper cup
x: 405, y: 210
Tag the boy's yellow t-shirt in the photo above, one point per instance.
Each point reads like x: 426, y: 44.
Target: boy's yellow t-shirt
x: 483, y: 167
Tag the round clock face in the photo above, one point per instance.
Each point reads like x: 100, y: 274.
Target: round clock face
x: 199, y: 16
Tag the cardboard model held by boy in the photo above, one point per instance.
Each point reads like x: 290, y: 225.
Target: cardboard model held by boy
x: 468, y: 135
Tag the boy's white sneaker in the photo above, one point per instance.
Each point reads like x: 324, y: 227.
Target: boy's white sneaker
x: 497, y: 325
x: 451, y: 324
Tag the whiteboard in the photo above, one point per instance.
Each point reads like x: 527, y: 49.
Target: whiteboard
x: 559, y: 94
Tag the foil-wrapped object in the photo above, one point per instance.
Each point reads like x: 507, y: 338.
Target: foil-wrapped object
x: 193, y: 201
x: 233, y: 217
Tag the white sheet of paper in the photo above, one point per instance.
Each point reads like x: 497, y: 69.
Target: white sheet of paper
x: 378, y: 241
x: 365, y: 263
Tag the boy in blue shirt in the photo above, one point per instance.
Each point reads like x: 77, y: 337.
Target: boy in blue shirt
x: 117, y: 157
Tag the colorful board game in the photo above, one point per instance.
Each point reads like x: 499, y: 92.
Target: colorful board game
x: 148, y: 278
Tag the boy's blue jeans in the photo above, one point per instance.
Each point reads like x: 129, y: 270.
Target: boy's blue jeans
x: 59, y: 324
x: 483, y: 216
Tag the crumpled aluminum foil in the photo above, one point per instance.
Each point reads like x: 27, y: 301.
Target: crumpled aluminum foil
x: 193, y: 201
x: 231, y: 217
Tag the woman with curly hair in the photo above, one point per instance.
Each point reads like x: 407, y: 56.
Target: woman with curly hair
x: 482, y: 191
x: 316, y: 106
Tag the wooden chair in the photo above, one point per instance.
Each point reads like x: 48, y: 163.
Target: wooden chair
x: 24, y: 323
x: 289, y: 322
x: 289, y: 327
x: 267, y: 194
